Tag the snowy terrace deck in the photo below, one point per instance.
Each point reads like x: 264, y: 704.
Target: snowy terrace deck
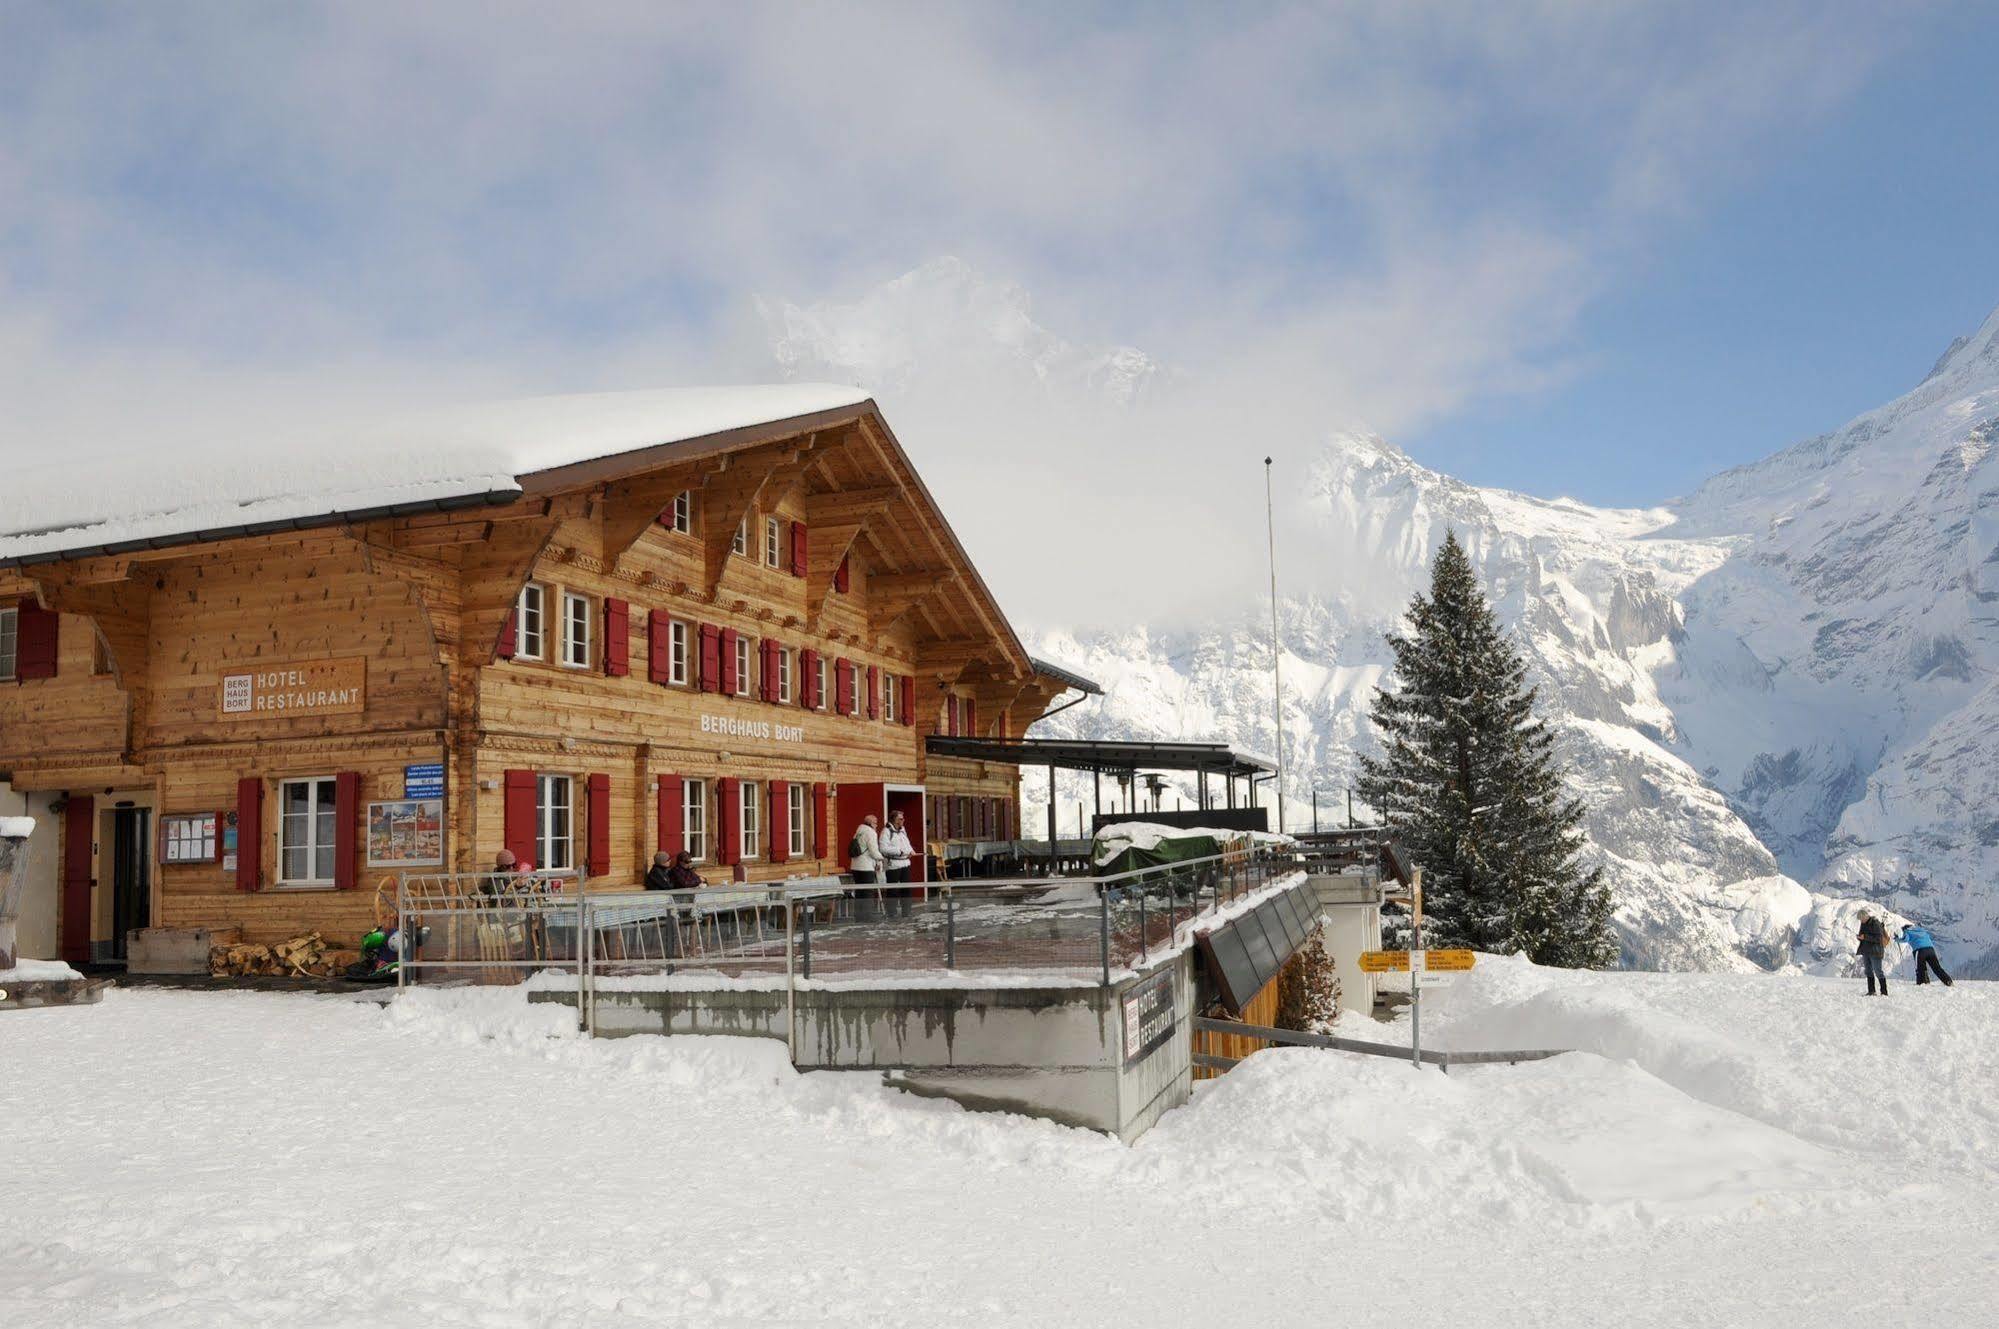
x: 1072, y: 999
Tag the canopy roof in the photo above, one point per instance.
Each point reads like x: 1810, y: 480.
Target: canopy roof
x: 1087, y: 754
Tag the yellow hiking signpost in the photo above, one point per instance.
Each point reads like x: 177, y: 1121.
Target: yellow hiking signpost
x: 1435, y: 962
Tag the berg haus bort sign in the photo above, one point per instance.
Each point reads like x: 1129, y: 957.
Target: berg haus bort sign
x: 315, y: 687
x: 730, y: 727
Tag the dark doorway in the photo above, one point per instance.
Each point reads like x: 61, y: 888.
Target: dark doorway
x: 131, y: 874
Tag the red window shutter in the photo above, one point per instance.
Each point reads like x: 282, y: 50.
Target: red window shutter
x: 35, y: 643
x: 907, y: 706
x: 798, y: 549
x: 841, y: 576
x: 769, y: 650
x: 819, y: 820
x: 729, y: 821
x: 598, y: 863
x: 617, y: 637
x: 951, y: 716
x: 346, y: 830
x: 780, y: 822
x: 672, y: 811
x: 659, y: 645
x: 729, y: 682
x: 249, y: 834
x: 509, y: 636
x: 711, y: 658
x: 517, y: 815
x: 971, y: 717
x: 874, y: 692
x: 79, y: 834
x: 808, y: 689
x: 843, y: 687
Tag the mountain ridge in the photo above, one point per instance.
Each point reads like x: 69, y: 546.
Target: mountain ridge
x: 1776, y: 692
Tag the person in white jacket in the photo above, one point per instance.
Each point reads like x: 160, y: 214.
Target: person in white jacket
x: 896, y: 849
x: 864, y: 854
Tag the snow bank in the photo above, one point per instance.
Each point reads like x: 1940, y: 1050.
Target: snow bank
x: 16, y: 828
x: 201, y: 1158
x: 1908, y: 1081
x: 38, y: 971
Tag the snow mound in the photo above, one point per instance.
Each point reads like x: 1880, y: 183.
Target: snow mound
x: 1908, y: 1081
x: 1577, y: 1139
x: 16, y: 828
x: 38, y: 971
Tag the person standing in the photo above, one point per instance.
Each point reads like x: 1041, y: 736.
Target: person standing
x: 1873, y: 941
x: 1918, y: 939
x: 896, y: 849
x: 896, y: 853
x: 864, y: 851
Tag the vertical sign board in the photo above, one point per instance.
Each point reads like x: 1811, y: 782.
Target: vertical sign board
x: 1149, y: 1017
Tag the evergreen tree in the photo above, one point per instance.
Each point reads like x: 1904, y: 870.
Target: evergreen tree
x: 1467, y: 779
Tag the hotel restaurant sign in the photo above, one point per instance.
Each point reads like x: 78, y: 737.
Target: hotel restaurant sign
x: 316, y: 687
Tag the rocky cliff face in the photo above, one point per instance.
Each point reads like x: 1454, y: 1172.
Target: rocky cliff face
x: 1787, y: 677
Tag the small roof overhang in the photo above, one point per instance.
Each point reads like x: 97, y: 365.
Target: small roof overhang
x: 1102, y: 755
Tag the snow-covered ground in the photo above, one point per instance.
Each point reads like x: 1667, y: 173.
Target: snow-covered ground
x: 1730, y: 1148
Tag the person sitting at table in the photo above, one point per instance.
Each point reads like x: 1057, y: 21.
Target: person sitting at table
x: 673, y: 872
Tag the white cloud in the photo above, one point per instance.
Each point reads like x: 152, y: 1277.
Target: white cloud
x: 1360, y: 213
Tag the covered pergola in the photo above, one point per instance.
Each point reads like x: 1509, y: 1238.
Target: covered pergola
x: 1123, y: 759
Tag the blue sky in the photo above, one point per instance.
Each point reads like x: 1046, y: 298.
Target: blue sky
x: 1591, y: 249
x: 1824, y: 284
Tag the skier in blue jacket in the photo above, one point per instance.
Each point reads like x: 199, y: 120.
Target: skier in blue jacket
x: 1919, y: 940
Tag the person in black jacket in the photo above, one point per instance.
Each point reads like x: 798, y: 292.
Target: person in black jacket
x: 1873, y: 941
x: 673, y: 872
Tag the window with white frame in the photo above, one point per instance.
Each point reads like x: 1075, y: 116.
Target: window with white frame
x: 858, y: 675
x: 529, y: 629
x: 694, y: 819
x: 575, y: 630
x: 741, y: 544
x: 676, y: 652
x: 744, y: 650
x: 682, y: 513
x: 306, y: 828
x: 753, y: 821
x: 795, y: 818
x: 783, y: 674
x: 771, y: 541
x: 554, y: 823
x: 888, y: 698
x: 819, y: 682
x: 10, y: 627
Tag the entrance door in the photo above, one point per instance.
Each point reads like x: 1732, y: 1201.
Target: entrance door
x: 131, y: 874
x: 79, y: 832
x: 856, y: 802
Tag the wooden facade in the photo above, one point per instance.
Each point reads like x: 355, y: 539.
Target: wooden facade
x: 576, y: 646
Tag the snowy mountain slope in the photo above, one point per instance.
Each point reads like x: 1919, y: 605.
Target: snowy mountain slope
x: 1788, y: 676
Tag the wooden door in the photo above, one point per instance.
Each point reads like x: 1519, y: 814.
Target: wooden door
x: 79, y: 833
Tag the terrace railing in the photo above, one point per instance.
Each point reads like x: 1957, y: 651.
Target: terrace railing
x: 476, y: 927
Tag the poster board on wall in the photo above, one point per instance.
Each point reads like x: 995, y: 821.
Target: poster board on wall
x: 406, y: 833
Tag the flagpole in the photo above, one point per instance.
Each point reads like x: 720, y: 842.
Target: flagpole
x: 1276, y: 650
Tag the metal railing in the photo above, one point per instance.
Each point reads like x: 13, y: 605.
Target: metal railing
x: 1293, y: 1038
x: 484, y: 928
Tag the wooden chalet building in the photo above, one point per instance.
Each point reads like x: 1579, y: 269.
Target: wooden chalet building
x: 718, y: 619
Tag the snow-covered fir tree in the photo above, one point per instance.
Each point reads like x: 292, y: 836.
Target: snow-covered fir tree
x: 1467, y: 778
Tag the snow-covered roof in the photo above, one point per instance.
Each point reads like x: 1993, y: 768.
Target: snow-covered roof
x: 434, y: 460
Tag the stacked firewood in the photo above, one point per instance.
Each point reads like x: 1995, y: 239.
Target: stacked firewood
x: 303, y: 956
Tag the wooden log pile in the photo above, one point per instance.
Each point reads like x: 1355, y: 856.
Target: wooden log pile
x: 303, y: 956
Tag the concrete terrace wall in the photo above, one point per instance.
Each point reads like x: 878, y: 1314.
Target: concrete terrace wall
x: 1052, y: 1052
